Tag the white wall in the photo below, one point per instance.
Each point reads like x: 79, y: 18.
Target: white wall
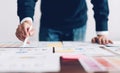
x: 9, y: 20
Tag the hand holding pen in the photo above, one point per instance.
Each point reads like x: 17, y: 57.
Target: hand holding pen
x: 24, y: 31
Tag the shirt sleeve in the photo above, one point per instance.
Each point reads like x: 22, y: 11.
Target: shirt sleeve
x: 102, y: 33
x: 101, y: 12
x: 26, y: 19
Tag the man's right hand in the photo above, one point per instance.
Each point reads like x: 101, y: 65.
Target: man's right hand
x: 23, y: 31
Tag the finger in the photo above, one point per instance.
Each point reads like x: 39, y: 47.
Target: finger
x: 20, y: 38
x: 106, y: 41
x: 25, y: 30
x: 17, y: 36
x: 110, y: 41
x: 16, y: 33
x: 103, y: 41
x: 93, y: 40
x: 20, y: 33
x: 31, y: 32
x: 99, y: 40
x: 20, y: 30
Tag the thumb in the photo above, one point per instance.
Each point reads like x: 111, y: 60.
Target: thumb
x: 26, y: 27
x: 110, y: 41
x: 32, y: 32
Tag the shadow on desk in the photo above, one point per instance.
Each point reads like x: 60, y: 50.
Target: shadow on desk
x: 72, y: 66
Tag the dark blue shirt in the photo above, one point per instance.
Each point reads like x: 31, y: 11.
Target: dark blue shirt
x: 66, y: 14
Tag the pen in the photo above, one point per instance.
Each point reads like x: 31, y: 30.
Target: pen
x: 53, y: 49
x: 26, y: 39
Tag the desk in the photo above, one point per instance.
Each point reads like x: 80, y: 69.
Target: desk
x: 68, y: 65
x: 72, y: 66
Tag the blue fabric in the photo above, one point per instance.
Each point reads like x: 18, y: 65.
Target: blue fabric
x: 64, y: 20
x: 48, y: 34
x: 65, y: 14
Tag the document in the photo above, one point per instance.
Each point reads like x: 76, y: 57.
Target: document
x: 100, y: 64
x: 114, y: 48
x: 88, y: 51
x: 17, y: 44
x: 28, y: 60
x: 50, y: 44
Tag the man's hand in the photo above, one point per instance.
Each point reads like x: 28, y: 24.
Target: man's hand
x: 23, y: 30
x: 101, y: 39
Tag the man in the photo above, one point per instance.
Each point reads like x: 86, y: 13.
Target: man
x: 63, y: 20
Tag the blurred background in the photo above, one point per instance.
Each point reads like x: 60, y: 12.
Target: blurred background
x: 9, y: 21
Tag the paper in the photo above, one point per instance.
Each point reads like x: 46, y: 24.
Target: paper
x: 78, y: 44
x: 89, y: 51
x: 106, y: 64
x: 50, y: 44
x: 28, y: 60
x: 100, y: 64
x: 112, y: 45
x: 17, y: 44
x: 10, y: 44
x: 90, y: 65
x: 94, y: 51
x: 71, y: 56
x: 115, y: 50
x: 114, y: 60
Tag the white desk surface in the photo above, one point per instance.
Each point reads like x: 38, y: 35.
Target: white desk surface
x: 39, y: 56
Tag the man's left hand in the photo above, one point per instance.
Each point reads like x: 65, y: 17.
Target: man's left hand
x: 101, y: 39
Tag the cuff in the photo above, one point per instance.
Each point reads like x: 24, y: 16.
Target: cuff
x: 102, y: 32
x: 28, y: 19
